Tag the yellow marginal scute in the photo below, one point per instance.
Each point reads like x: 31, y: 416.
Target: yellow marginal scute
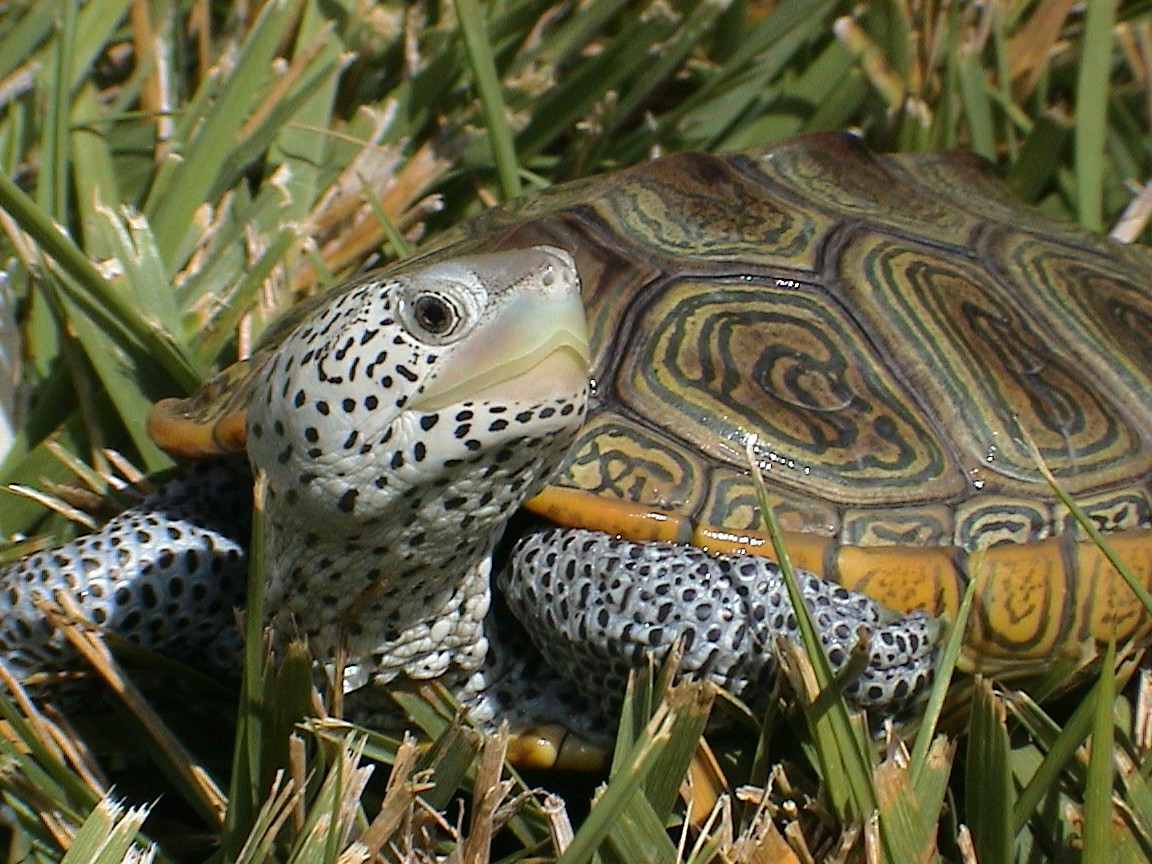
x: 578, y: 509
x: 1057, y: 597
x: 1108, y: 607
x: 1024, y: 600
x: 901, y: 577
x: 210, y: 422
x: 188, y: 437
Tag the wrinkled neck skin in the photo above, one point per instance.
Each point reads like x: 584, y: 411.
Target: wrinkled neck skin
x: 401, y: 580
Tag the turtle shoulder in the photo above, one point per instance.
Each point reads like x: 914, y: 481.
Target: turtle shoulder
x: 212, y: 420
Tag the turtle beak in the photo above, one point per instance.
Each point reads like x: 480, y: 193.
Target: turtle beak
x: 534, y: 346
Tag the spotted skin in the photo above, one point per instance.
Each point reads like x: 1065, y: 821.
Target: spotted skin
x: 385, y: 499
x: 167, y: 573
x: 592, y: 601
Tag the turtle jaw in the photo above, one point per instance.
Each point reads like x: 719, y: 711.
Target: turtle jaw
x: 517, y: 359
x: 533, y: 348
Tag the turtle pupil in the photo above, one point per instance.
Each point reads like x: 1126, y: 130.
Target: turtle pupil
x: 434, y: 314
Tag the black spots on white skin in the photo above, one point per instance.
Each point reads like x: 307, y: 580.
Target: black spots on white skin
x: 575, y: 589
x: 166, y: 573
x: 435, y: 484
x: 377, y: 362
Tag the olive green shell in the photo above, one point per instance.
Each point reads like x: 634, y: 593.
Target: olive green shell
x: 882, y: 331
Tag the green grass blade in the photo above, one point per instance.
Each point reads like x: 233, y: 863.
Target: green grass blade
x: 302, y: 145
x: 94, y: 174
x: 475, y: 37
x: 205, y: 158
x: 694, y: 28
x: 1091, y: 111
x: 946, y: 665
x: 908, y: 816
x: 247, y: 764
x: 758, y: 60
x: 1035, y: 167
x: 977, y: 104
x: 330, y: 815
x: 1098, y: 789
x: 129, y: 237
x: 572, y: 36
x: 278, y: 106
x: 637, y: 834
x: 1060, y: 745
x: 216, y: 332
x: 96, y: 25
x: 42, y: 764
x: 988, y: 780
x: 52, y: 191
x: 648, y: 690
x: 25, y: 35
x: 574, y: 99
x: 625, y: 784
x: 1136, y: 796
x: 106, y: 835
x: 89, y: 289
x: 842, y: 747
x: 123, y: 370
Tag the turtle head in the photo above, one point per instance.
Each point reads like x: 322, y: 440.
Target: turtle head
x: 433, y: 401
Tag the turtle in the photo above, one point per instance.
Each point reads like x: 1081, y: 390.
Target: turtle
x: 878, y: 333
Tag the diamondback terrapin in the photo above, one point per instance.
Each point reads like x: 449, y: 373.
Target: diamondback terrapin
x: 872, y: 328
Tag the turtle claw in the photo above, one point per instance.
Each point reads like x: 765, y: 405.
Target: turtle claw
x: 554, y: 747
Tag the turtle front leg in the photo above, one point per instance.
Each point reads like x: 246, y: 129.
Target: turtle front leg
x: 167, y: 574
x: 594, y: 605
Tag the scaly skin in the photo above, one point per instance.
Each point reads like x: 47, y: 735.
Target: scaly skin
x: 592, y: 601
x: 394, y: 456
x: 167, y: 573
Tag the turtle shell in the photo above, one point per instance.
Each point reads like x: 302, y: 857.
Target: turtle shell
x: 884, y: 336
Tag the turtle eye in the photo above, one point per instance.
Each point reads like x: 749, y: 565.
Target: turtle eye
x: 435, y: 314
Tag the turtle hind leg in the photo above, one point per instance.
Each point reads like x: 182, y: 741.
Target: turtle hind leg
x: 595, y: 605
x: 166, y: 573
